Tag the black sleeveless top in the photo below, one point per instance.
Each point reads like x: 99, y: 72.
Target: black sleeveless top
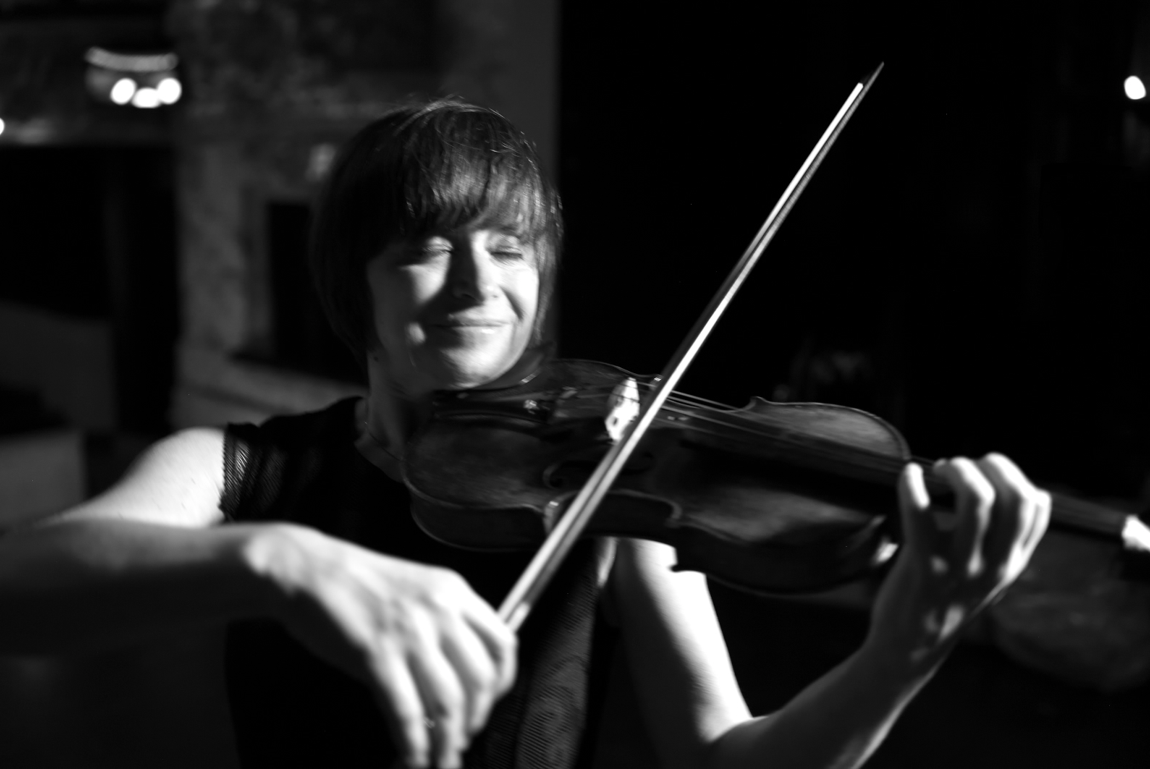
x: 292, y: 710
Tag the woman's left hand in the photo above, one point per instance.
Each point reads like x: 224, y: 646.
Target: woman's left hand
x: 939, y: 582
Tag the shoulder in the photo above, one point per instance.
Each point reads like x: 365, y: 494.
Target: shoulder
x: 180, y: 480
x: 267, y: 467
x: 177, y: 480
x: 294, y: 431
x: 339, y: 417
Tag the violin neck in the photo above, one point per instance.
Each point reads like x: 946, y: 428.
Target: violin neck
x: 1074, y: 515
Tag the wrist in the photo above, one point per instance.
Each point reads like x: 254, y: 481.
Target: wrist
x: 902, y: 656
x: 271, y: 555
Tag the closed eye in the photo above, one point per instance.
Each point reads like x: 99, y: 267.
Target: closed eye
x: 420, y: 253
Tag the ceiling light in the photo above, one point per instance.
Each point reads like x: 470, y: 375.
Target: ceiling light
x: 123, y: 90
x: 169, y: 90
x: 146, y: 98
x: 1134, y: 87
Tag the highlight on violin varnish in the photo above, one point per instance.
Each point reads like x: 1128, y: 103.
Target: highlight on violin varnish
x: 623, y: 408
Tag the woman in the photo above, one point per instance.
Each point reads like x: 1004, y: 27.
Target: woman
x: 435, y: 255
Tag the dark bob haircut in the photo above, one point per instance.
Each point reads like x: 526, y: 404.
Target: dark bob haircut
x: 418, y: 170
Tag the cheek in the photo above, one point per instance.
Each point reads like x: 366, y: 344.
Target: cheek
x: 398, y: 298
x: 525, y: 296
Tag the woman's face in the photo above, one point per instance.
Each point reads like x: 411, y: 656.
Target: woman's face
x: 453, y: 310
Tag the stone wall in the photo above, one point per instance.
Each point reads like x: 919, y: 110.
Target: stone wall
x: 273, y: 86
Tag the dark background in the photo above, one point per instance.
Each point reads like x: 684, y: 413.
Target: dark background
x: 968, y: 264
x: 975, y: 244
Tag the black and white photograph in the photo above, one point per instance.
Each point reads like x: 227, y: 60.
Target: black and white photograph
x: 546, y: 384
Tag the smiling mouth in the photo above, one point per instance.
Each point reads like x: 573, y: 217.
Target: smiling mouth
x: 471, y: 324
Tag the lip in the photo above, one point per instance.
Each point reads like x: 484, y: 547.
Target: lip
x: 470, y: 323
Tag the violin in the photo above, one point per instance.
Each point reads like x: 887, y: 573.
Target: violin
x: 770, y: 498
x: 777, y: 498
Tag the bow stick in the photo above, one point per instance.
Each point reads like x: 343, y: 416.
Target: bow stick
x: 518, y: 603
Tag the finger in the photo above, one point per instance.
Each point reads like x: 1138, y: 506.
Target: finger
x: 398, y: 697
x: 1041, y: 519
x: 476, y: 669
x: 444, y: 702
x: 501, y: 643
x: 974, y: 499
x: 1034, y: 503
x: 1013, y: 510
x: 918, y: 527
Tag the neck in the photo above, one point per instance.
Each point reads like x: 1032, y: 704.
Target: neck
x: 391, y: 417
x: 388, y: 417
x: 391, y: 414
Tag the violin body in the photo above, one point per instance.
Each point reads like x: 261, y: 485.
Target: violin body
x: 756, y: 497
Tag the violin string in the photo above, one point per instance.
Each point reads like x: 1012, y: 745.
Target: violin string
x: 813, y: 448
x: 865, y: 462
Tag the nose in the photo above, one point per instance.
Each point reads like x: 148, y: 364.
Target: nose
x: 472, y: 271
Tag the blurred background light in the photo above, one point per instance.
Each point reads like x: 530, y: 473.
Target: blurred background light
x: 1, y: 125
x: 169, y: 90
x: 131, y: 62
x: 1135, y: 88
x: 144, y: 80
x: 146, y: 98
x: 123, y: 90
x: 319, y: 160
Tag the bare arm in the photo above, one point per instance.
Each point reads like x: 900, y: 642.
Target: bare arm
x: 689, y: 696
x: 138, y: 561
x: 146, y: 558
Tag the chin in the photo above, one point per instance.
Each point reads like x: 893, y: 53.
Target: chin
x: 463, y: 372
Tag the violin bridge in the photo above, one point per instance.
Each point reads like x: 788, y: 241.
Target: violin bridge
x: 623, y: 408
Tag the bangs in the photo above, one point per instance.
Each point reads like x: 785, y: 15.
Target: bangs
x: 474, y: 173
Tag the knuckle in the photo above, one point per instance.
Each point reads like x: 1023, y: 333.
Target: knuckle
x: 978, y: 487
x: 957, y: 462
x: 983, y: 495
x: 965, y: 466
x: 1005, y: 468
x: 410, y: 722
x: 487, y: 681
x: 994, y: 458
x: 448, y: 589
x: 451, y: 580
x: 449, y: 705
x: 411, y: 725
x: 426, y: 635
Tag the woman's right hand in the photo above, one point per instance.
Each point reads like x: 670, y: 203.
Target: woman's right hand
x: 435, y: 654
